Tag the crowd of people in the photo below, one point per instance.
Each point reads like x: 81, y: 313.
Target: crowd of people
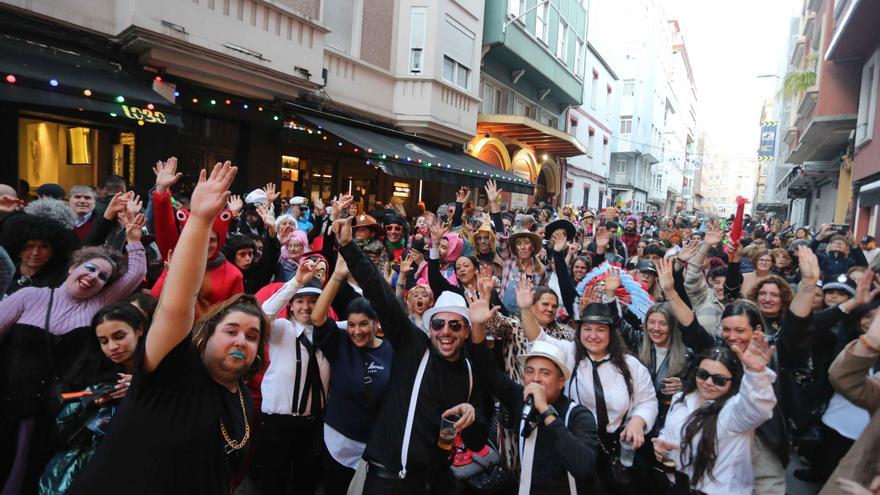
x: 196, y: 341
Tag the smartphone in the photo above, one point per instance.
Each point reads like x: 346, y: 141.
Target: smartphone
x: 842, y: 228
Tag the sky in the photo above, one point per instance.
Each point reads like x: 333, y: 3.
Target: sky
x: 729, y: 44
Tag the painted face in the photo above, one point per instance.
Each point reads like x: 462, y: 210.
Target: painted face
x: 82, y: 203
x: 465, y: 271
x: 579, y: 270
x: 35, y: 254
x: 361, y: 330
x: 483, y: 243
x: 301, y: 307
x: 736, y: 330
x: 706, y: 382
x: 769, y: 300
x: 523, y: 248
x: 595, y: 337
x: 118, y: 340
x: 244, y: 258
x: 658, y: 329
x: 834, y: 297
x: 393, y: 232
x: 232, y: 348
x: 545, y: 309
x: 544, y: 372
x: 419, y: 300
x: 449, y: 331
x: 87, y: 279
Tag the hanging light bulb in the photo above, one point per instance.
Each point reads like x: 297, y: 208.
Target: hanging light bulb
x: 53, y: 83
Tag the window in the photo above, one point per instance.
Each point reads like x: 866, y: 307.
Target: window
x: 586, y: 196
x: 629, y: 87
x: 626, y: 125
x: 418, y: 26
x: 658, y: 183
x: 620, y: 168
x: 339, y: 19
x: 516, y: 7
x: 868, y: 99
x: 579, y: 58
x: 594, y: 89
x: 456, y: 73
x: 573, y: 126
x: 604, y: 150
x: 562, y: 42
x: 591, y: 134
x: 541, y: 22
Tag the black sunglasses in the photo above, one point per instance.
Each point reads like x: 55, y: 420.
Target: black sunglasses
x: 437, y: 324
x: 718, y: 380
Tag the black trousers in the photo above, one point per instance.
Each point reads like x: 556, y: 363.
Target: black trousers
x: 412, y: 485
x: 288, y: 459
x: 834, y: 447
x: 336, y: 476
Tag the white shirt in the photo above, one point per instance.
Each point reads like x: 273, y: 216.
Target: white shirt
x: 871, y: 254
x: 617, y: 400
x: 81, y: 220
x: 737, y: 421
x: 278, y: 381
x: 846, y: 418
x: 344, y: 450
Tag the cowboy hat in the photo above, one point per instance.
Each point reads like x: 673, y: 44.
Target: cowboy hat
x: 366, y: 221
x: 561, y: 223
x: 534, y: 238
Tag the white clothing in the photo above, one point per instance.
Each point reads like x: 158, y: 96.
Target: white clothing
x: 846, y: 418
x: 344, y: 450
x: 735, y: 430
x: 617, y: 400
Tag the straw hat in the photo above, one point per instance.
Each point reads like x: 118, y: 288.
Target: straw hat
x: 534, y: 238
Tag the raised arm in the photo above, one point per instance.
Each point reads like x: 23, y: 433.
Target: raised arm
x: 525, y: 297
x: 174, y: 315
x: 436, y: 280
x: 694, y: 281
x: 753, y: 404
x: 137, y: 263
x: 734, y: 279
x: 692, y: 333
x: 461, y: 198
x: 163, y: 212
x: 563, y: 276
x: 322, y: 305
x: 802, y: 304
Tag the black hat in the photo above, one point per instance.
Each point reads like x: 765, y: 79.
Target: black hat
x: 611, y: 225
x: 839, y: 282
x: 311, y: 288
x: 866, y: 239
x: 395, y: 219
x: 597, y: 313
x: 562, y: 223
x: 647, y: 266
x: 51, y: 190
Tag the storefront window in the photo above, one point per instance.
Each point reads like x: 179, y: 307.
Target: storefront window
x: 56, y: 152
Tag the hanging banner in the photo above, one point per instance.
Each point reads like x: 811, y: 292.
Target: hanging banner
x: 767, y: 147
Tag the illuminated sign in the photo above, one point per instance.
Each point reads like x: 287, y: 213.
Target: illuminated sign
x: 401, y: 190
x: 144, y: 114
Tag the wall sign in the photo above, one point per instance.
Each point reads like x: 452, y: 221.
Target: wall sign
x: 144, y: 114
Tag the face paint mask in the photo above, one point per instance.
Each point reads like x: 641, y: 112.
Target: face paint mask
x: 237, y: 354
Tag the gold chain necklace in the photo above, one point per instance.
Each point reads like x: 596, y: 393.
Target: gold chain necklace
x: 232, y: 444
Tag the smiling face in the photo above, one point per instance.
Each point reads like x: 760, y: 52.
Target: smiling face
x: 232, y: 348
x: 764, y: 263
x: 86, y: 280
x: 658, y: 329
x: 709, y: 390
x: 544, y: 372
x: 118, y: 341
x: 545, y: 309
x: 361, y: 330
x: 35, y: 254
x: 736, y: 330
x: 447, y: 341
x: 770, y: 300
x: 295, y: 248
x: 647, y: 278
x: 595, y: 337
x: 393, y: 232
x: 82, y: 202
x: 301, y: 308
x: 465, y: 271
x: 579, y: 270
x: 717, y: 284
x: 523, y: 248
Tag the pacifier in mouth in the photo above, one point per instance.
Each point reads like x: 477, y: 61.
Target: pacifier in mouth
x: 237, y: 354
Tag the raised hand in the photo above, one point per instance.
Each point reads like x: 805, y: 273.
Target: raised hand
x: 437, y: 231
x: 462, y: 195
x: 757, y: 355
x: 809, y: 265
x: 134, y: 206
x: 117, y: 205
x: 559, y: 241
x: 340, y: 272
x: 305, y: 271
x: 235, y: 205
x: 319, y: 206
x: 339, y: 206
x: 688, y: 250
x: 166, y: 175
x: 134, y: 229
x: 574, y: 249
x: 271, y: 194
x: 492, y: 191
x: 406, y: 265
x: 612, y: 280
x: 479, y: 310
x: 525, y: 294
x: 9, y: 203
x: 602, y: 238
x: 664, y: 276
x: 864, y: 292
x: 285, y: 233
x: 210, y: 195
x: 735, y: 250
x: 342, y: 230
x: 713, y: 237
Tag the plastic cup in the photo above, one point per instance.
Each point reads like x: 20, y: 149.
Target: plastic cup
x: 447, y: 432
x: 627, y: 453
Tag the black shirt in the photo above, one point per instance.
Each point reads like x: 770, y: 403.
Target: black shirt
x: 444, y: 384
x: 166, y: 436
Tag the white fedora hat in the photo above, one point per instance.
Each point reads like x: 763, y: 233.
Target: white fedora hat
x: 548, y: 351
x: 448, y: 302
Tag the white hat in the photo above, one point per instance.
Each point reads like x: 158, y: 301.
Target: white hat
x: 297, y: 200
x: 448, y: 302
x: 548, y: 351
x: 257, y: 197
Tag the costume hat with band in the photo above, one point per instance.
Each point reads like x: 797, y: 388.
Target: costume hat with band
x: 562, y: 223
x: 548, y: 351
x: 533, y: 238
x: 448, y: 302
x: 366, y: 221
x: 840, y: 282
x: 597, y: 313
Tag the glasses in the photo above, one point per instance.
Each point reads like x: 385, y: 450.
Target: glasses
x: 91, y: 267
x: 394, y: 228
x: 718, y: 380
x: 481, y: 238
x: 437, y: 324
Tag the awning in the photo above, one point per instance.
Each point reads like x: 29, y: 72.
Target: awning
x: 544, y: 139
x: 51, y: 76
x: 408, y: 157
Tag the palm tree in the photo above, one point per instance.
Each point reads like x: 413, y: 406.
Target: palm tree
x: 797, y: 82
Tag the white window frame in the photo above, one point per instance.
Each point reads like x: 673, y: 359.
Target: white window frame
x: 417, y: 40
x: 562, y: 42
x: 542, y: 22
x: 594, y: 88
x: 457, y: 67
x: 620, y: 167
x: 515, y: 9
x: 628, y: 87
x: 868, y: 99
x: 626, y: 120
x: 579, y: 58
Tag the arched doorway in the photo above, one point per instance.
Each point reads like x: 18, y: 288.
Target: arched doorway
x: 547, y: 183
x: 493, y: 152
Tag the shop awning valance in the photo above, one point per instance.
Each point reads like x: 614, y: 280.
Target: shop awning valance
x: 52, y: 76
x: 408, y: 157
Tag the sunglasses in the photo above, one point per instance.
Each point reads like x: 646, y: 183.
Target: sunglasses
x: 718, y: 380
x: 437, y: 324
x: 92, y: 268
x: 482, y: 238
x: 394, y: 228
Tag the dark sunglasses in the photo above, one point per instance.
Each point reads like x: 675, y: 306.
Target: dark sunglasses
x: 394, y: 228
x: 437, y: 324
x: 718, y: 380
x: 91, y: 267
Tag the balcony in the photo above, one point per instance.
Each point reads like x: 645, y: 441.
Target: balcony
x: 541, y: 138
x: 856, y: 31
x: 820, y: 137
x: 797, y: 55
x: 809, y: 25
